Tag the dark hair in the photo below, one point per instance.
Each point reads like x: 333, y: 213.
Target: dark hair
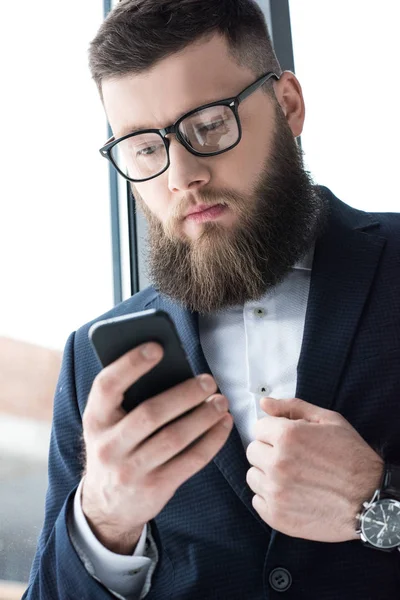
x: 137, y: 34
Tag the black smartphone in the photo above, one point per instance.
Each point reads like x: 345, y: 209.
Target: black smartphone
x: 112, y: 338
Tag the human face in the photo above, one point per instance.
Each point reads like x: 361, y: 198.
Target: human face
x: 157, y: 98
x: 237, y: 255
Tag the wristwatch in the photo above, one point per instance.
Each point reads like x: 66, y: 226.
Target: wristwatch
x: 379, y: 522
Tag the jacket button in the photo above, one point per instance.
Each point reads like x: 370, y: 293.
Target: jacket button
x: 280, y: 580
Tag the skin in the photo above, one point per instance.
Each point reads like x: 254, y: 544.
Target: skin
x: 183, y: 84
x: 310, y: 469
x: 273, y: 214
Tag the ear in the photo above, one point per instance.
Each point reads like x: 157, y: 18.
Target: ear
x: 290, y: 96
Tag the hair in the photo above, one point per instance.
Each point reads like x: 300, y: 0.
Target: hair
x: 137, y: 34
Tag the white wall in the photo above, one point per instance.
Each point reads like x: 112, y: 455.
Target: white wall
x: 55, y: 240
x: 347, y: 59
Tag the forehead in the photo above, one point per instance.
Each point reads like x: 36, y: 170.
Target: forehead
x: 202, y: 73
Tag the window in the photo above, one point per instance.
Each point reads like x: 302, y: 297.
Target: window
x: 346, y: 58
x: 56, y: 268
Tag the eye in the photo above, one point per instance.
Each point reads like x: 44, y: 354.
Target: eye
x: 145, y: 151
x: 148, y: 151
x: 211, y: 126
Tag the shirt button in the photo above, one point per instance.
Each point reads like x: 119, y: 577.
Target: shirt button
x: 280, y: 580
x: 264, y: 390
x: 259, y: 312
x: 135, y: 571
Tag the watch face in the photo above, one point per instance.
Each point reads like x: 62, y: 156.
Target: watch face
x: 381, y: 524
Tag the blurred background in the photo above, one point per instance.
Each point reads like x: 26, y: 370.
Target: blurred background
x: 71, y: 245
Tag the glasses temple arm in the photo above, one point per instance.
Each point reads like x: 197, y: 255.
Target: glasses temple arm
x: 254, y: 86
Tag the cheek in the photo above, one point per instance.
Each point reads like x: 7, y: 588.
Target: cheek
x: 246, y: 161
x: 149, y: 197
x: 256, y: 148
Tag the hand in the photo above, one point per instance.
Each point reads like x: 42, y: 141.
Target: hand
x: 130, y: 476
x: 312, y: 471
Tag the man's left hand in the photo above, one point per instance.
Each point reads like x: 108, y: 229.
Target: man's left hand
x: 311, y: 471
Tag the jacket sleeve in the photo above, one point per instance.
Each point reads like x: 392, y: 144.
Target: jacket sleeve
x: 128, y: 577
x: 57, y: 571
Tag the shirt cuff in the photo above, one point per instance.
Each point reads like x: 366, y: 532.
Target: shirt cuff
x: 126, y: 577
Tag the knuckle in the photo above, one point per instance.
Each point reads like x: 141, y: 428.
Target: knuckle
x: 296, y: 402
x: 124, y: 475
x: 289, y: 433
x: 104, y: 452
x: 88, y: 421
x: 251, y: 475
x: 146, y: 420
x: 170, y: 441
x: 138, y: 462
x: 281, y: 468
x: 336, y: 416
x: 106, y: 383
x: 250, y: 449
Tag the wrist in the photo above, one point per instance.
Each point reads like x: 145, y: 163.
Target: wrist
x: 372, y: 481
x: 123, y: 543
x: 115, y: 536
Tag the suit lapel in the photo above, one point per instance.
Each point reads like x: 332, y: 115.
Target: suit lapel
x: 345, y: 261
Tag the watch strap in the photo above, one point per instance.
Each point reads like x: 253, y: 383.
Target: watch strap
x: 368, y: 545
x: 391, y: 482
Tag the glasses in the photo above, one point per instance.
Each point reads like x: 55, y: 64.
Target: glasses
x: 206, y: 131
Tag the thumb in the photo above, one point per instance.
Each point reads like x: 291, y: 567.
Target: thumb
x: 294, y: 409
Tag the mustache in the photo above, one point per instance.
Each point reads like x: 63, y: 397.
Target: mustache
x: 206, y: 196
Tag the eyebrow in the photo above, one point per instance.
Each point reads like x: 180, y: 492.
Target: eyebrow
x: 135, y: 128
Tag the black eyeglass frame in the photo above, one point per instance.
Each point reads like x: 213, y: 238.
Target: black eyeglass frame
x: 232, y: 103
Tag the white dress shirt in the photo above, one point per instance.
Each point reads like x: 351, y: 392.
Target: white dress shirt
x: 262, y: 361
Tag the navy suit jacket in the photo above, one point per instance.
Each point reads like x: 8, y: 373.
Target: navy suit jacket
x: 212, y: 543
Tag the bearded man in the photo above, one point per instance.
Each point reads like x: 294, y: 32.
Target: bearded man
x: 276, y: 469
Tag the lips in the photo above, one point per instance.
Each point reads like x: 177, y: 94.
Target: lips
x: 199, y: 209
x: 209, y: 214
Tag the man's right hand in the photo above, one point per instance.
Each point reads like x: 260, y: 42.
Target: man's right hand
x: 130, y: 476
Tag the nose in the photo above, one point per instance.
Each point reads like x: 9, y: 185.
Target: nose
x: 186, y: 171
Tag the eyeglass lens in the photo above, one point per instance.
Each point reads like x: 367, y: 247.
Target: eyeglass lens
x: 207, y: 131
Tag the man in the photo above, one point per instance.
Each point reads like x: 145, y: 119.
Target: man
x: 286, y: 301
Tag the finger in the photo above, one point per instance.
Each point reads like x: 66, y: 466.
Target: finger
x: 174, y: 438
x: 255, y: 480
x: 197, y: 456
x: 295, y: 409
x: 156, y: 412
x: 270, y: 430
x: 260, y: 506
x: 259, y: 455
x: 104, y: 403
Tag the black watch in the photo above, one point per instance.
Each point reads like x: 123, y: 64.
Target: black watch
x: 379, y: 522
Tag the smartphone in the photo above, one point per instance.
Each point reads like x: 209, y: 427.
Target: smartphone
x: 112, y: 338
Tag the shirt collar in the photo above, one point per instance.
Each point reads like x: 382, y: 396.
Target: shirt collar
x: 305, y: 264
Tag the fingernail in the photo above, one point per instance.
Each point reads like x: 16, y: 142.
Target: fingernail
x: 150, y: 351
x: 221, y: 404
x: 206, y: 383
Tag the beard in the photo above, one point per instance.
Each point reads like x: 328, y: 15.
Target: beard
x: 276, y: 226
